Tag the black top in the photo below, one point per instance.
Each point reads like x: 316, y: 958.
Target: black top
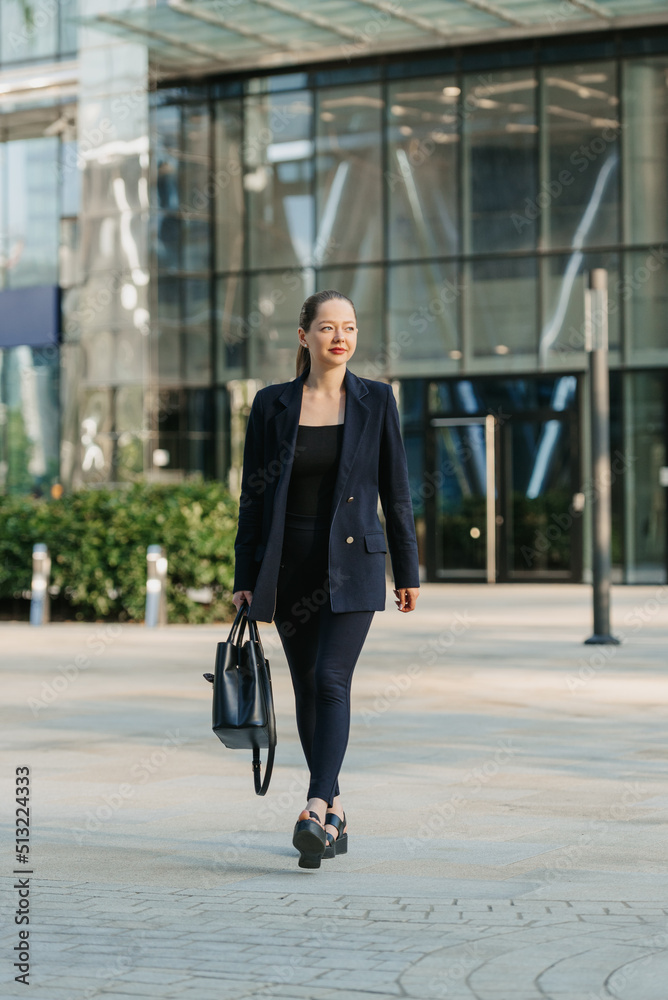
x: 314, y: 469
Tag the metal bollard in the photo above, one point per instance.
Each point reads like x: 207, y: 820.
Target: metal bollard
x: 156, y: 586
x: 39, y: 597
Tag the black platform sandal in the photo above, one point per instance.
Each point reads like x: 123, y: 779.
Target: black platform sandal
x: 208, y: 677
x: 339, y: 844
x: 309, y: 839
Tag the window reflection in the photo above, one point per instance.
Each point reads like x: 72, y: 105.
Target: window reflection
x: 422, y: 170
x: 562, y: 333
x: 275, y: 303
x: 499, y: 122
x: 29, y: 419
x: 232, y: 330
x: 228, y: 186
x: 30, y: 248
x: 645, y: 398
x: 502, y: 307
x: 646, y: 289
x: 582, y: 133
x: 277, y: 178
x: 197, y: 328
x: 646, y: 149
x: 348, y: 174
x: 26, y: 35
x: 424, y: 309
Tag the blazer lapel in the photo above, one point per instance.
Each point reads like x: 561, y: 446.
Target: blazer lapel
x: 286, y: 423
x: 356, y: 419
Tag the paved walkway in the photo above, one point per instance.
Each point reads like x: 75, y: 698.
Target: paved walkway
x: 505, y: 785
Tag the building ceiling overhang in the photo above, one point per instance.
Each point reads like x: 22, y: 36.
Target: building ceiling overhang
x: 196, y: 37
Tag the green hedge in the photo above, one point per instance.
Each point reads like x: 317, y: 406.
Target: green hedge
x: 98, y: 539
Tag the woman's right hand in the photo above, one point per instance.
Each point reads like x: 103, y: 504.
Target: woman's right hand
x: 239, y: 596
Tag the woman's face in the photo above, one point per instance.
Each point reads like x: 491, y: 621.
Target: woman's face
x: 332, y: 338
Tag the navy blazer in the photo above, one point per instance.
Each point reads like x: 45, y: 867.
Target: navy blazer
x: 372, y: 463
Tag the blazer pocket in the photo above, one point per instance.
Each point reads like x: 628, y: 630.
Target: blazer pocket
x: 375, y: 541
x: 259, y: 552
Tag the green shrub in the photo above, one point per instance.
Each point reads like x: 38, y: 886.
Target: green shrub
x: 97, y: 540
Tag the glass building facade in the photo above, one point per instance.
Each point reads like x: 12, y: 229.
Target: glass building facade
x: 460, y: 197
x: 460, y: 201
x: 39, y: 209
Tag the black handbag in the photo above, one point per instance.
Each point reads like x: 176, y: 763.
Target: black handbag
x: 243, y: 705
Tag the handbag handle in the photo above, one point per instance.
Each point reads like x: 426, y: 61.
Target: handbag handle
x: 238, y: 624
x: 262, y: 786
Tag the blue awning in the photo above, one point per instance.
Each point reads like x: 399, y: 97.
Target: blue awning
x: 30, y: 317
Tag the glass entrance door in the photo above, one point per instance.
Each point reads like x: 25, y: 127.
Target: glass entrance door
x: 502, y: 492
x: 463, y: 519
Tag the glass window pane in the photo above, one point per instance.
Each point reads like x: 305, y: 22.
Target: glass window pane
x: 645, y: 497
x: 278, y: 179
x: 364, y: 286
x: 200, y: 411
x: 29, y: 426
x: 197, y: 328
x: 32, y: 212
x: 562, y: 334
x: 166, y: 238
x: 423, y: 316
x: 129, y: 425
x: 582, y: 133
x: 502, y: 307
x: 69, y: 29
x: 422, y: 169
x: 646, y: 288
x: 348, y: 175
x: 229, y: 194
x: 168, y: 337
x: 275, y: 304
x: 540, y: 465
x: 196, y: 244
x: 499, y: 122
x: 196, y: 172
x: 29, y: 31
x: 646, y: 149
x: 4, y: 244
x: 231, y: 328
x: 70, y: 178
x: 166, y: 123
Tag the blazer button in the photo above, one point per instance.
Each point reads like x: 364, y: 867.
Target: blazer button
x: 350, y: 539
x: 350, y: 499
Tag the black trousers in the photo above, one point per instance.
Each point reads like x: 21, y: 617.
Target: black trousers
x: 321, y: 648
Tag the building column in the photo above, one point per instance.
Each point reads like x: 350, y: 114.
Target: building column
x: 106, y: 317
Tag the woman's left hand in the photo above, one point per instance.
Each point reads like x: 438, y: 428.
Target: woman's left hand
x: 407, y: 598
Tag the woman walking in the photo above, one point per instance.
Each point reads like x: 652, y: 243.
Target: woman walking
x: 310, y: 549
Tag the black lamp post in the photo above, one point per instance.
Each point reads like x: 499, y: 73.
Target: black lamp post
x: 596, y: 312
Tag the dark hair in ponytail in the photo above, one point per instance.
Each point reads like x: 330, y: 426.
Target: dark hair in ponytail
x: 306, y: 317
